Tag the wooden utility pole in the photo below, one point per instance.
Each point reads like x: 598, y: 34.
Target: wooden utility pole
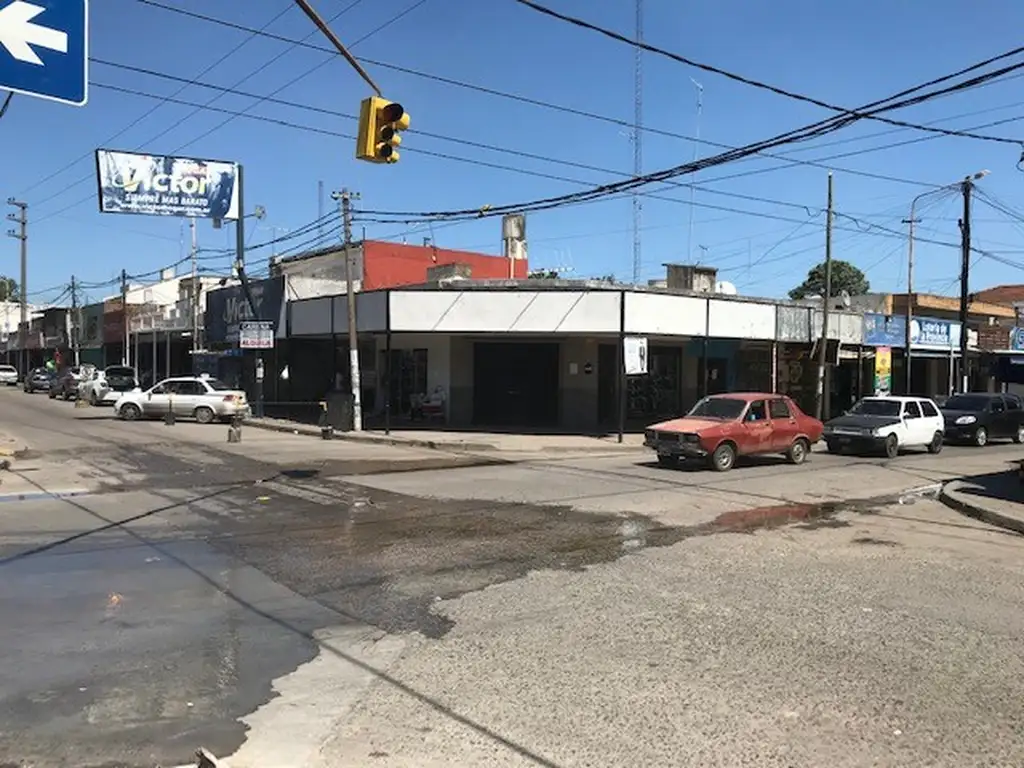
x: 819, y: 399
x: 965, y: 277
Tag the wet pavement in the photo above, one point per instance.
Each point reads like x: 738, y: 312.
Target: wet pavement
x: 194, y: 595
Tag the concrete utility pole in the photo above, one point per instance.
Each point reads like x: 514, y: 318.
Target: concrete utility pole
x: 350, y: 292
x: 910, y: 294
x: 965, y: 276
x: 75, y: 324
x: 125, y: 355
x: 819, y: 399
x: 195, y: 288
x: 21, y: 217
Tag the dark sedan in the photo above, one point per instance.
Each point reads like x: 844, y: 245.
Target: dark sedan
x: 38, y: 380
x: 976, y: 417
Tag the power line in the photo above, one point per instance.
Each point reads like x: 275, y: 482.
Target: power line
x: 577, y: 22
x: 799, y: 134
x: 88, y: 155
x: 231, y: 118
x: 561, y: 108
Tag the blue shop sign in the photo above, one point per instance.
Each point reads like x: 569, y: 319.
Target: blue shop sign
x: 925, y: 332
x: 1017, y: 339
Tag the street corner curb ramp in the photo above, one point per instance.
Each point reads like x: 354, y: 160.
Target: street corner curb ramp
x: 952, y: 496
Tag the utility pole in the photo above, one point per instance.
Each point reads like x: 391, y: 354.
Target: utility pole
x: 638, y: 139
x: 125, y: 359
x: 75, y: 325
x: 195, y: 289
x: 350, y: 292
x: 21, y: 217
x: 910, y: 297
x: 819, y: 399
x: 965, y: 275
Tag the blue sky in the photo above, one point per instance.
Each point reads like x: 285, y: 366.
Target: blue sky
x: 759, y: 220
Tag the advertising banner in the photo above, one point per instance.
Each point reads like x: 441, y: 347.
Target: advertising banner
x: 228, y: 308
x: 883, y: 370
x: 155, y: 185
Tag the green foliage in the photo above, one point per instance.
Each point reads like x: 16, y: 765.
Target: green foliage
x: 8, y: 289
x: 845, y: 277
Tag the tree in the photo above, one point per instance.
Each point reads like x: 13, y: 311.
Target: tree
x: 8, y: 289
x: 845, y: 277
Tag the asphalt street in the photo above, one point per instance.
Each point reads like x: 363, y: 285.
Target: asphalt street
x: 300, y: 602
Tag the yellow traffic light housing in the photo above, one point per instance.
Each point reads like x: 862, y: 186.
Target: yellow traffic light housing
x: 380, y: 124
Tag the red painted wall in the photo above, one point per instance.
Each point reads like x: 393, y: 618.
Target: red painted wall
x: 389, y: 265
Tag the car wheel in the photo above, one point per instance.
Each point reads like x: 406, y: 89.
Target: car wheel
x: 892, y: 447
x: 723, y: 458
x: 1019, y: 437
x: 832, y: 447
x: 53, y: 395
x: 130, y: 412
x: 668, y: 461
x: 798, y: 451
x: 936, y: 444
x: 981, y: 437
x: 204, y: 415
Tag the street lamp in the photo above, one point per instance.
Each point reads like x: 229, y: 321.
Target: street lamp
x: 910, y: 266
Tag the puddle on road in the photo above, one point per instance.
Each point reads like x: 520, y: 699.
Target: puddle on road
x: 384, y: 559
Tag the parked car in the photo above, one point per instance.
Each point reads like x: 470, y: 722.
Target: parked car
x: 198, y: 397
x: 108, y: 385
x: 975, y: 417
x: 65, y: 384
x: 720, y: 428
x: 9, y: 375
x: 887, y: 424
x: 38, y: 380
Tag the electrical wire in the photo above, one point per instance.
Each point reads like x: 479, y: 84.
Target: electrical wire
x: 176, y: 124
x: 250, y: 36
x: 560, y: 107
x: 633, y: 43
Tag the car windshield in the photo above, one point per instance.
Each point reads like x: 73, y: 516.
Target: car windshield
x: 718, y: 408
x: 217, y: 385
x: 966, y: 403
x: 117, y: 370
x: 877, y: 407
x: 7, y: 368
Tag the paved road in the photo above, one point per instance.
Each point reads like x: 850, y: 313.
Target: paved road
x: 325, y: 604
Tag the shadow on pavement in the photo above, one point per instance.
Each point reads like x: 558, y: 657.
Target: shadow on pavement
x: 996, y: 498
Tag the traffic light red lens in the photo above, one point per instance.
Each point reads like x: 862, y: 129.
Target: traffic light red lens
x: 392, y: 113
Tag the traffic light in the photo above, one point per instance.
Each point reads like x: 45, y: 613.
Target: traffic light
x: 380, y: 122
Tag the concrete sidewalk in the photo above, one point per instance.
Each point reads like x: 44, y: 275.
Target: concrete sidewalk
x: 468, y: 441
x: 996, y: 498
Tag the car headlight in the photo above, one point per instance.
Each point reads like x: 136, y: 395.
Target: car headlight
x: 966, y: 419
x: 876, y: 432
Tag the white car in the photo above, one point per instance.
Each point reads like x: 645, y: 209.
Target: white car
x: 8, y: 375
x: 198, y: 397
x: 106, y: 386
x: 887, y: 424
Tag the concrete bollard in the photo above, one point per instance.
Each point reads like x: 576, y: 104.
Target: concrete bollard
x: 235, y: 430
x: 169, y: 416
x: 326, y: 429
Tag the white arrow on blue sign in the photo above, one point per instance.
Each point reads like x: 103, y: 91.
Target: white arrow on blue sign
x: 44, y: 49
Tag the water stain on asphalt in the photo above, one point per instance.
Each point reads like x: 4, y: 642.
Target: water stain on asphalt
x: 385, y: 559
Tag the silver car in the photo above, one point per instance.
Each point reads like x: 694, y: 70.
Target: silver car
x: 8, y: 375
x: 199, y: 397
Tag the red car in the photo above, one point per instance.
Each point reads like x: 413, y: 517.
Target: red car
x: 721, y: 427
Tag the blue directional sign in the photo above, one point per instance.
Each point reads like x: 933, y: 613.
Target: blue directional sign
x: 44, y: 49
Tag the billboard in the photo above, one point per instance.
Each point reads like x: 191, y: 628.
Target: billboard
x: 156, y: 185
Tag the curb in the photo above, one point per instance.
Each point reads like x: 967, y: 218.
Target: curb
x: 379, y: 439
x: 462, y: 447
x: 980, y: 513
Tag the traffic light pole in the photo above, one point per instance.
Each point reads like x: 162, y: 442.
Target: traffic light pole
x: 350, y: 294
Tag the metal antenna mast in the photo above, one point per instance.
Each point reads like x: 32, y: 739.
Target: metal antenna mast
x: 638, y: 144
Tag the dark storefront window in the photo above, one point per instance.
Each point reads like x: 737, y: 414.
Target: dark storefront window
x: 408, y: 371
x: 658, y: 393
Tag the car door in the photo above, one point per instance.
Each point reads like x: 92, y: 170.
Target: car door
x: 1014, y: 413
x: 919, y: 429
x: 999, y: 418
x: 157, y: 401
x: 188, y: 394
x: 756, y: 430
x: 784, y: 424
